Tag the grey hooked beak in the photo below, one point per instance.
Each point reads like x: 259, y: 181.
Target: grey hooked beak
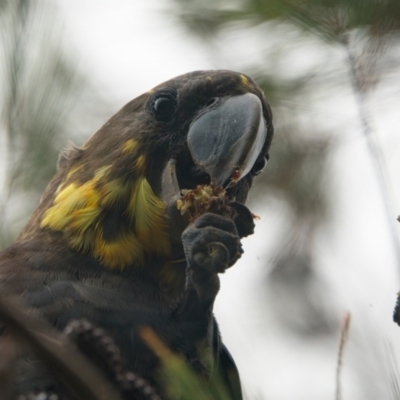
x: 226, y: 141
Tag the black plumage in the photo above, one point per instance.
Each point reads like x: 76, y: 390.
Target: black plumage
x: 62, y: 263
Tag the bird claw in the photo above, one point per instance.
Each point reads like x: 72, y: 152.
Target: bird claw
x: 212, y: 242
x: 214, y: 259
x: 212, y: 245
x: 243, y: 219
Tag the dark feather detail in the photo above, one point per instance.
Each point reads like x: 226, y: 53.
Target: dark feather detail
x: 162, y: 272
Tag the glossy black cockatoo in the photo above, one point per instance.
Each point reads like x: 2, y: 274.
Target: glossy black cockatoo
x: 136, y: 224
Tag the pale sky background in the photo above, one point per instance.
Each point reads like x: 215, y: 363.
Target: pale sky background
x: 126, y: 48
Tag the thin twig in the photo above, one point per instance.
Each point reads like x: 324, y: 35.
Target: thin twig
x: 344, y: 335
x: 393, y: 371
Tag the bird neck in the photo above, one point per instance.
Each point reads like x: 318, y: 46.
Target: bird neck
x: 119, y: 221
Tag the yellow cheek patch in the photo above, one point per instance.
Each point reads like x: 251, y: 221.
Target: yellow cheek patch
x: 80, y: 209
x: 72, y: 207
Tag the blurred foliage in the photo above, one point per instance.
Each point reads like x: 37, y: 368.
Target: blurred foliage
x: 328, y: 18
x: 182, y: 382
x: 42, y: 97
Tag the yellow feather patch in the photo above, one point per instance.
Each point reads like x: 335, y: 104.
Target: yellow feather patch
x: 125, y: 250
x: 58, y: 224
x: 100, y: 172
x: 129, y: 146
x: 81, y: 220
x: 80, y: 209
x: 75, y: 208
x: 72, y: 171
x: 244, y: 80
x: 68, y: 201
x: 146, y: 211
x: 113, y: 192
x: 139, y: 164
x: 65, y: 193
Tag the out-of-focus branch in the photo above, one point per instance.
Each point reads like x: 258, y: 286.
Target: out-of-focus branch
x: 360, y: 88
x: 66, y: 362
x: 344, y: 335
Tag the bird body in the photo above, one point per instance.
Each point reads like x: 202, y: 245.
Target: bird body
x: 107, y: 242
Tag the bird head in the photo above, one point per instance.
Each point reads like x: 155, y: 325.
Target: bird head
x: 110, y: 197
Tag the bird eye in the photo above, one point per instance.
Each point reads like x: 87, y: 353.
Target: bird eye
x: 259, y: 165
x: 164, y: 106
